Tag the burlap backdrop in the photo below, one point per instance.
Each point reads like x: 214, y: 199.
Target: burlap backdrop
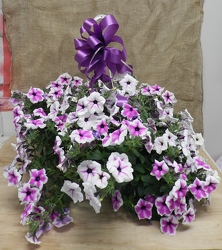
x: 162, y: 40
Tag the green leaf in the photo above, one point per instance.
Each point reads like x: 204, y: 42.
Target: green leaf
x: 140, y: 189
x: 146, y: 178
x: 142, y: 158
x: 135, y: 152
x: 132, y: 159
x: 139, y: 168
x: 59, y: 209
x: 152, y: 179
x: 105, y: 155
x: 95, y: 155
x: 164, y: 189
x: 136, y: 178
x: 149, y: 190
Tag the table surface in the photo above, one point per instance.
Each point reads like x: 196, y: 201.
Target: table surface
x: 108, y: 229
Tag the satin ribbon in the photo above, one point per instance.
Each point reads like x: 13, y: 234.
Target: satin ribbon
x: 95, y: 55
x: 121, y: 100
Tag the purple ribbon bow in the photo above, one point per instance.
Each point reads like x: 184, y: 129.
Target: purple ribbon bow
x: 94, y: 56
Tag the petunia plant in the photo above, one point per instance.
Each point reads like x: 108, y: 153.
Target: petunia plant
x: 119, y: 140
x: 125, y: 143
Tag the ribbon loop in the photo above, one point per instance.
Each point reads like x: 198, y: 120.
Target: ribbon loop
x: 93, y: 54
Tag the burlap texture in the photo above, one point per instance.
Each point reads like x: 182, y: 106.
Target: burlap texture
x: 162, y: 39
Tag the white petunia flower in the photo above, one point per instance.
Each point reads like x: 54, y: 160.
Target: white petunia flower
x: 199, y: 140
x: 90, y: 193
x: 170, y: 137
x: 88, y: 169
x: 73, y: 190
x: 101, y: 179
x: 87, y: 121
x: 160, y: 144
x: 95, y: 102
x: 81, y: 107
x: 120, y: 167
x: 129, y: 84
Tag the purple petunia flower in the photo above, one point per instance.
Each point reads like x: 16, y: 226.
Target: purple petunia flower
x: 25, y: 164
x: 55, y: 93
x: 65, y: 79
x: 143, y: 209
x: 76, y: 81
x: 160, y: 168
x: 179, y: 189
x: 57, y: 143
x: 149, y: 146
x: 197, y: 189
x: 18, y: 113
x: 62, y: 158
x: 60, y: 121
x: 12, y: 175
x: 27, y: 194
x: 188, y: 216
x: 117, y: 200
x: 35, y: 95
x: 118, y: 136
x: 172, y: 203
x: 146, y: 90
x: 167, y: 114
x: 102, y: 127
x: 151, y: 125
x: 107, y: 140
x: 55, y: 84
x: 39, y: 112
x: 62, y: 220
x: 210, y: 184
x: 200, y: 163
x: 81, y: 136
x: 150, y: 198
x: 162, y: 208
x: 169, y: 97
x: 38, y: 178
x: 27, y: 211
x: 43, y: 228
x: 182, y: 206
x: 96, y: 134
x: 168, y: 225
x: 128, y: 111
x: 34, y: 124
x: 156, y: 89
x: 178, y: 168
x: 136, y: 128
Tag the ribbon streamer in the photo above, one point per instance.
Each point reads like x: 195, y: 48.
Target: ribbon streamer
x: 95, y: 56
x: 121, y: 100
